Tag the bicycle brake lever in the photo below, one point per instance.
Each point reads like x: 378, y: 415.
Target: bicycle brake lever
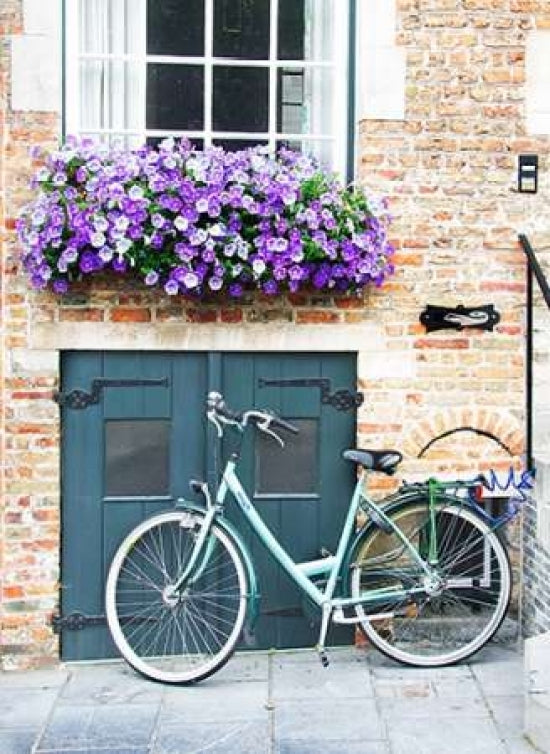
x: 264, y: 427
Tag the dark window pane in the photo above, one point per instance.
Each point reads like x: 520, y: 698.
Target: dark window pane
x: 175, y: 27
x: 305, y: 102
x: 241, y: 29
x: 234, y: 145
x: 290, y: 101
x: 291, y: 470
x: 137, y: 457
x: 175, y: 95
x: 240, y: 99
x: 291, y: 30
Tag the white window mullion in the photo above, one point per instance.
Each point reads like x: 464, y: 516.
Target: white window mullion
x: 208, y: 70
x: 340, y: 15
x: 142, y: 69
x: 72, y: 70
x: 106, y: 76
x: 273, y: 73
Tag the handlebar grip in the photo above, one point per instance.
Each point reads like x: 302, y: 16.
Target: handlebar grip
x: 292, y: 428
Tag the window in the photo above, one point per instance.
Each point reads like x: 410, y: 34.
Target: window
x: 291, y: 471
x: 137, y: 456
x: 229, y: 72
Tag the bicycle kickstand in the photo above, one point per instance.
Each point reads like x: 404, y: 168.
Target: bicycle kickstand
x: 327, y: 612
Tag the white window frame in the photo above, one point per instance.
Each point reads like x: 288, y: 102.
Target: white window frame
x: 339, y: 64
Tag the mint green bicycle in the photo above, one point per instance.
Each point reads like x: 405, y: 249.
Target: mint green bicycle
x: 426, y: 578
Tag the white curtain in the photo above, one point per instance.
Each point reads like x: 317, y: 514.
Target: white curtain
x: 112, y: 88
x: 313, y: 87
x: 319, y: 82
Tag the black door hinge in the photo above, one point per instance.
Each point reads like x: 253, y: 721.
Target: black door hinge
x: 78, y: 621
x: 79, y: 399
x: 341, y: 400
x: 75, y: 622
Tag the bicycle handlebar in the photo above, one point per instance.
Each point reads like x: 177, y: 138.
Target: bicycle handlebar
x: 219, y: 413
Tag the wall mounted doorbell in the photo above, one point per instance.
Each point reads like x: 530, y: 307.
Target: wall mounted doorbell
x: 528, y: 173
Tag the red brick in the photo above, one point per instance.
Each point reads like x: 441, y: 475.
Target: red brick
x: 81, y: 315
x: 438, y: 343
x: 314, y: 316
x: 201, y: 315
x: 231, y: 315
x: 127, y: 314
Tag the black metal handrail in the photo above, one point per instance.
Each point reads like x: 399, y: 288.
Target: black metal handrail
x: 533, y: 267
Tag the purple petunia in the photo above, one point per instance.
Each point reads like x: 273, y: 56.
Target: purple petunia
x: 195, y: 221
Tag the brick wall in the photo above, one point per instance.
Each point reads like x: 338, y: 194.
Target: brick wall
x: 449, y: 169
x: 536, y: 533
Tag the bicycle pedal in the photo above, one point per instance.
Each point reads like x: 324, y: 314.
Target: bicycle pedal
x: 325, y: 662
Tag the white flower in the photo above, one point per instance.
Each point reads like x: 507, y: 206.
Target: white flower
x: 100, y: 224
x: 198, y: 237
x: 123, y: 245
x: 215, y: 283
x: 181, y: 223
x: 136, y: 193
x: 258, y: 265
x: 97, y: 240
x: 217, y: 231
x: 121, y: 223
x: 105, y: 254
x: 42, y: 175
x: 190, y: 280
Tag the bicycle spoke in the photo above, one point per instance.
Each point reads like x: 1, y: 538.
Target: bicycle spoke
x: 169, y: 635
x: 446, y: 621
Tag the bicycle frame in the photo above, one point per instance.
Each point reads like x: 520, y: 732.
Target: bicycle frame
x: 330, y: 567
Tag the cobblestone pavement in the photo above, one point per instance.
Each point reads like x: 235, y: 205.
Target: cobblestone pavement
x: 278, y: 702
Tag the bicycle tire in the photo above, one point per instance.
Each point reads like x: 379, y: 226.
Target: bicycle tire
x: 470, y: 604
x: 184, y: 638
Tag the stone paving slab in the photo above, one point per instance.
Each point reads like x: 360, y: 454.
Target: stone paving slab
x: 343, y: 720
x: 107, y: 727
x: 272, y: 703
x: 215, y: 738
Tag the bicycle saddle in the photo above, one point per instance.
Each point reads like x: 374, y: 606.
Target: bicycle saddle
x: 385, y: 461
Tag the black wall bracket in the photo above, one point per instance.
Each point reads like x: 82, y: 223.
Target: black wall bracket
x: 458, y: 317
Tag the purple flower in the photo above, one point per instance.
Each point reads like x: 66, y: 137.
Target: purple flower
x: 235, y: 290
x: 60, y: 286
x: 270, y: 288
x: 196, y: 219
x: 89, y: 262
x: 119, y: 264
x: 151, y: 278
x: 171, y: 287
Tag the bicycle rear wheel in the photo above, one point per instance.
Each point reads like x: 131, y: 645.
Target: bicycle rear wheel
x: 442, y: 620
x: 175, y: 637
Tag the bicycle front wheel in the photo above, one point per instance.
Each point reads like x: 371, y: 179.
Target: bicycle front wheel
x: 176, y: 636
x: 445, y: 618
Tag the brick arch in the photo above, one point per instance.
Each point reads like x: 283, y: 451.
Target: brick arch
x: 501, y: 427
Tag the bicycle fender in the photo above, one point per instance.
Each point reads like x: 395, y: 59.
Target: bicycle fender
x: 253, y: 606
x: 398, y: 502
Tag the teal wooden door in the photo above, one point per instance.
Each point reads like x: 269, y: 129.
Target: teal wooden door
x: 302, y: 491
x: 131, y: 451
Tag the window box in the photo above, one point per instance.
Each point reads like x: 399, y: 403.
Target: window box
x: 199, y: 222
